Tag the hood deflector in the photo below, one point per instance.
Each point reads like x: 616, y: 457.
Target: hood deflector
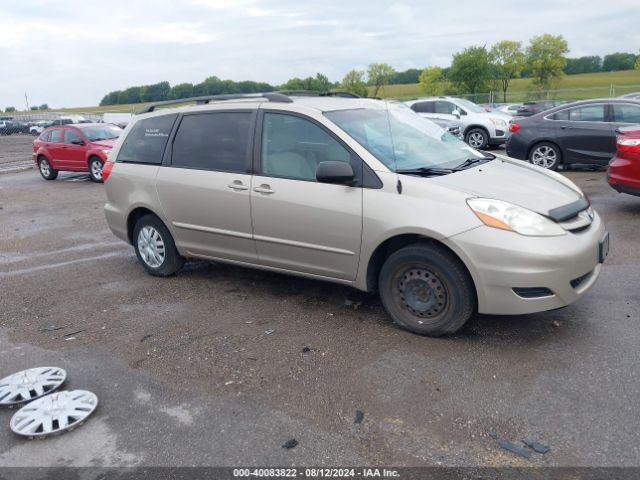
x: 561, y: 214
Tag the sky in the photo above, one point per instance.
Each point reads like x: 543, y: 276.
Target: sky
x: 70, y: 53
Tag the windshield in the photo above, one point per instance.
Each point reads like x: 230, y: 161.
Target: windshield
x: 107, y: 132
x: 401, y: 139
x: 472, y: 107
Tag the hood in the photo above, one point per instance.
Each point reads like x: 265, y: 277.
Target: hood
x: 516, y: 182
x: 105, y: 143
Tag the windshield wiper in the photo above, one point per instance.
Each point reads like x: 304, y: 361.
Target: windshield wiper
x: 426, y: 171
x: 472, y: 161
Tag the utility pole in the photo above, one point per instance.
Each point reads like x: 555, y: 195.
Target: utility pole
x: 26, y: 100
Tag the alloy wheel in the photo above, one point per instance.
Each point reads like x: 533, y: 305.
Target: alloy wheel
x: 45, y: 168
x: 476, y: 139
x: 544, y: 156
x: 151, y: 247
x: 96, y: 169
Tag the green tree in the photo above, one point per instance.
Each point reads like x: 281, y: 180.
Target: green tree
x: 507, y: 61
x: 10, y: 109
x: 431, y: 81
x: 545, y: 60
x: 379, y: 75
x: 354, y: 82
x: 637, y: 65
x: 182, y: 90
x: 590, y: 64
x: 618, y: 61
x: 411, y: 75
x: 44, y: 106
x: 470, y: 69
x: 319, y: 83
x: 34, y: 107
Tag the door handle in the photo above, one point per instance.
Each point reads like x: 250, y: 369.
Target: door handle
x: 264, y: 188
x: 237, y: 185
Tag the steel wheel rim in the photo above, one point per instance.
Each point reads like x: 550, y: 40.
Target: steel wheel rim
x: 55, y: 413
x: 45, y: 168
x: 476, y: 139
x: 27, y: 385
x: 544, y: 156
x: 420, y: 291
x: 96, y: 169
x: 151, y: 246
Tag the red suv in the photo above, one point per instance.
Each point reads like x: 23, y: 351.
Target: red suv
x: 624, y: 169
x: 82, y: 147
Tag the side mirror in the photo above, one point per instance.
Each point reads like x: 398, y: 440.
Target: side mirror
x: 339, y: 173
x: 456, y: 114
x: 77, y: 142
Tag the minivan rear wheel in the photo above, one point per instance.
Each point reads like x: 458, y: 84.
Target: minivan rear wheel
x: 155, y: 248
x: 426, y: 290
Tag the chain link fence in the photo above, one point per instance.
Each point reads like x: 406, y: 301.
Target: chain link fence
x: 34, y: 122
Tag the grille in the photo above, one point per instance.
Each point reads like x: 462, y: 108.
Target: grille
x: 532, y: 292
x: 576, y: 282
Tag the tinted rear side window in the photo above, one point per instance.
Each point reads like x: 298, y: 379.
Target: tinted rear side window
x: 423, y: 107
x: 214, y: 141
x: 626, y: 113
x: 147, y: 140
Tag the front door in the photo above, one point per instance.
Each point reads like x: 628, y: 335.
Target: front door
x: 204, y: 191
x: 585, y: 135
x: 299, y: 224
x: 74, y: 154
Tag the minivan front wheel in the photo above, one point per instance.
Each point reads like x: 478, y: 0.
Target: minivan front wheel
x: 426, y: 290
x: 155, y: 248
x: 477, y: 138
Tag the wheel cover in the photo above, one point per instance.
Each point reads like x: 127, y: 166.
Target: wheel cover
x: 421, y: 292
x: 45, y: 168
x: 151, y: 246
x: 30, y: 384
x: 544, y: 156
x: 96, y: 169
x: 476, y: 139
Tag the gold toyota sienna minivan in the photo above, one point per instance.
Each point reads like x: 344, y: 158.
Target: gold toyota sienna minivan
x: 360, y: 192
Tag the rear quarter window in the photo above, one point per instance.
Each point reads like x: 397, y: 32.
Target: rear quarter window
x: 147, y: 140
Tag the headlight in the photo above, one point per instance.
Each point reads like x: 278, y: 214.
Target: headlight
x: 106, y: 152
x: 506, y: 216
x: 498, y: 122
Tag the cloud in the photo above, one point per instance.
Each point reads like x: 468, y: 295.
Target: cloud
x: 71, y: 53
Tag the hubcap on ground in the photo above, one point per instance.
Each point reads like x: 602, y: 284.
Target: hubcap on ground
x: 45, y: 168
x: 544, y: 157
x: 30, y: 384
x: 422, y: 293
x: 96, y: 169
x: 151, y: 246
x: 476, y: 139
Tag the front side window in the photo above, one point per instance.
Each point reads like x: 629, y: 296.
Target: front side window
x: 292, y: 147
x: 147, y: 140
x: 214, y: 141
x: 445, y: 107
x: 402, y: 140
x: 55, y: 136
x: 625, y: 113
x: 589, y: 113
x: 70, y: 136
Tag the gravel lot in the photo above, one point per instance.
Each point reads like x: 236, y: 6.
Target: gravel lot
x: 187, y: 375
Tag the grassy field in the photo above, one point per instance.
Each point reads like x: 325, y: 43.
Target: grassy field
x: 572, y: 87
x: 587, y: 85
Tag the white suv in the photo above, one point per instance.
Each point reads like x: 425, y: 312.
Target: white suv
x: 481, y: 128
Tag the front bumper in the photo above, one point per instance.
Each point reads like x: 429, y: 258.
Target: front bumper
x: 500, y: 261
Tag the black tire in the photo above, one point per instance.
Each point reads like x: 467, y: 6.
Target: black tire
x: 477, y: 138
x: 537, y: 155
x: 172, y: 261
x: 95, y: 169
x: 46, y: 170
x: 446, y: 304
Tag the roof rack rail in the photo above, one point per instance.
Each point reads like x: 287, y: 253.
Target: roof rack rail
x: 315, y: 93
x: 270, y: 96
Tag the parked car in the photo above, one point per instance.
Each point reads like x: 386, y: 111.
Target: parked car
x: 82, y: 147
x: 623, y: 173
x: 510, y: 109
x: 70, y: 120
x: 576, y: 133
x: 480, y: 128
x: 9, y: 127
x: 36, y: 128
x: 634, y: 96
x: 359, y: 192
x: 531, y: 108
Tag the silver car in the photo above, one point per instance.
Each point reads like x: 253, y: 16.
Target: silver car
x: 359, y: 192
